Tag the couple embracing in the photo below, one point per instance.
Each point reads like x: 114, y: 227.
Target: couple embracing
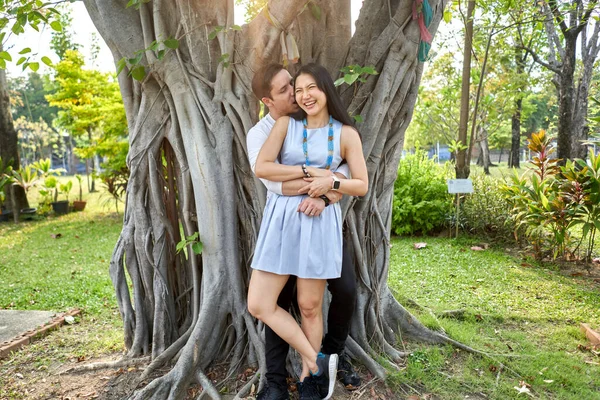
x: 308, y: 154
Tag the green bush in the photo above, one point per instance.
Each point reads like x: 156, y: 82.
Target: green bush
x: 486, y: 210
x: 421, y: 199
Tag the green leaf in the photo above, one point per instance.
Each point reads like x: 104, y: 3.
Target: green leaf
x: 197, y: 248
x: 358, y: 118
x: 161, y: 54
x: 2, y: 63
x: 56, y: 25
x: 212, y: 34
x: 193, y: 237
x: 34, y: 66
x: 25, y: 50
x: 17, y: 28
x: 21, y: 60
x: 236, y: 27
x: 154, y: 46
x: 138, y: 73
x: 121, y: 64
x: 350, y: 78
x: 5, y: 56
x: 224, y: 57
x: 315, y: 10
x: 137, y: 59
x: 22, y: 19
x: 338, y: 82
x: 447, y: 16
x: 47, y: 61
x: 370, y: 70
x: 172, y: 43
x: 180, y: 245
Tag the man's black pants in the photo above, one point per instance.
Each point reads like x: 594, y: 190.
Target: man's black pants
x: 343, y: 299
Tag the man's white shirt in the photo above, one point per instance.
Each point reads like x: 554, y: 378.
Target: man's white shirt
x: 256, y: 138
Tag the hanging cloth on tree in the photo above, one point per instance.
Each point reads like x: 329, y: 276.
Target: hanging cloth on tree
x: 424, y: 14
x: 289, y: 48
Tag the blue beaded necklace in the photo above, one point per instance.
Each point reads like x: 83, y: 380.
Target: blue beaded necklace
x: 329, y: 143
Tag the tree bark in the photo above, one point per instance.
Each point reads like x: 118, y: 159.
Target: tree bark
x: 463, y: 156
x: 9, y: 146
x: 516, y: 117
x: 484, y: 152
x: 187, y: 121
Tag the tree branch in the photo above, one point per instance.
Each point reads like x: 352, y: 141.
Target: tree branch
x: 558, y: 16
x: 586, y: 17
x: 540, y: 61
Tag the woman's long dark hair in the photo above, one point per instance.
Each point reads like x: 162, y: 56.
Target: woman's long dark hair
x: 335, y: 107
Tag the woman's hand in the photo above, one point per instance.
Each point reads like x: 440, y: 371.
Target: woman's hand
x: 317, y: 186
x: 311, y: 207
x: 318, y: 172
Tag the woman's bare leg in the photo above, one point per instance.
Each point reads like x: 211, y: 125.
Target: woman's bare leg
x: 262, y: 303
x: 310, y: 302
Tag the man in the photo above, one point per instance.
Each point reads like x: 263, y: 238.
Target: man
x: 273, y: 86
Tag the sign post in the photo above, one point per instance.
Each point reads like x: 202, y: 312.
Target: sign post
x: 458, y: 186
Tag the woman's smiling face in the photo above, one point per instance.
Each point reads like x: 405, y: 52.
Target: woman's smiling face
x: 308, y: 95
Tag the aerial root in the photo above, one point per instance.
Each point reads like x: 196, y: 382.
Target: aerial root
x: 123, y: 362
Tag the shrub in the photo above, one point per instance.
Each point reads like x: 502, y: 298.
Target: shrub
x: 486, y: 210
x: 421, y: 200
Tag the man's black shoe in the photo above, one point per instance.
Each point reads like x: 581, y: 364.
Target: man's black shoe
x: 346, y: 374
x: 307, y: 389
x: 273, y: 392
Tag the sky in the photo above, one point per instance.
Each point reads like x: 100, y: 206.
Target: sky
x: 83, y: 28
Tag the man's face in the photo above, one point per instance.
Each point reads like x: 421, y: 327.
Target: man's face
x: 282, y: 101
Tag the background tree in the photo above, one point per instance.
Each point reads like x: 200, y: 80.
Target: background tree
x: 37, y: 140
x: 9, y: 148
x: 185, y: 85
x: 62, y: 40
x: 90, y: 103
x: 31, y: 94
x: 567, y: 24
x: 16, y: 15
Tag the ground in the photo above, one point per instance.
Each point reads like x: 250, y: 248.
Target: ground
x: 524, y: 315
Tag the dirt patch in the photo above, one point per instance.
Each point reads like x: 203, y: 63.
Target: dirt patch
x: 26, y: 381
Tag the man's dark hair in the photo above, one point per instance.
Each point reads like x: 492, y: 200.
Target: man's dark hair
x: 261, y: 82
x: 335, y: 106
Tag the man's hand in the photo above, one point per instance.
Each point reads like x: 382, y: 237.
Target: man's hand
x: 317, y: 186
x: 334, y: 196
x: 311, y: 207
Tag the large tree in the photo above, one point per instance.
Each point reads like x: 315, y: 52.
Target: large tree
x: 188, y: 111
x: 567, y: 25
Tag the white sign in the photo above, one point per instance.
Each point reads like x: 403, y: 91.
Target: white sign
x: 460, y: 186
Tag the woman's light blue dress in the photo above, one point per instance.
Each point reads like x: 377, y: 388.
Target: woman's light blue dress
x: 289, y: 242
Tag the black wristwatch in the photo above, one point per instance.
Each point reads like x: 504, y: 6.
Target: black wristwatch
x: 325, y: 199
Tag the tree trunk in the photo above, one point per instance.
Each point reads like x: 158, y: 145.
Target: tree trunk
x: 484, y: 152
x: 9, y: 146
x: 187, y: 121
x: 581, y: 27
x: 462, y: 157
x: 91, y: 171
x: 516, y: 117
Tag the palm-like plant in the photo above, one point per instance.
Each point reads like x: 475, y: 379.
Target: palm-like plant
x: 27, y: 177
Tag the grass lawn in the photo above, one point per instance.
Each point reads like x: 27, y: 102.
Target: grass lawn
x: 528, y: 312
x: 58, y: 263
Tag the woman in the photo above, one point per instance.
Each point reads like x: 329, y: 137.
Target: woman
x: 291, y: 243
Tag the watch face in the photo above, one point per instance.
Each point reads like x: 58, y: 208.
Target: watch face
x: 336, y: 184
